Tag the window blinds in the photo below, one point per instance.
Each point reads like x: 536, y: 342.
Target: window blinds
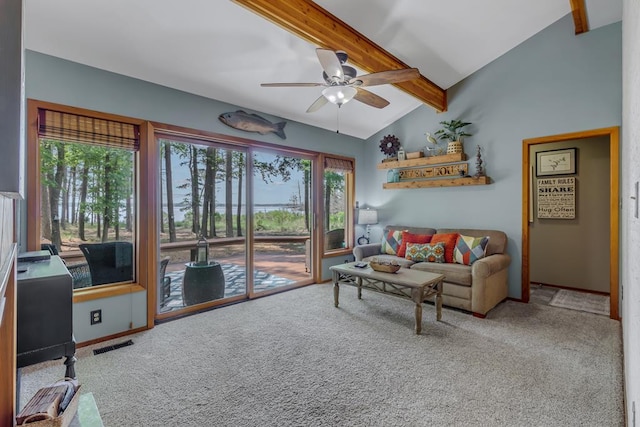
x: 70, y: 127
x: 338, y: 165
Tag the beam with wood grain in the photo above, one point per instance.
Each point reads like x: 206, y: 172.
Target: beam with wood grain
x: 314, y: 24
x: 579, y: 12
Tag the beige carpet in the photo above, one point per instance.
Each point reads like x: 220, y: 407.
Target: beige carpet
x: 582, y: 301
x: 293, y: 359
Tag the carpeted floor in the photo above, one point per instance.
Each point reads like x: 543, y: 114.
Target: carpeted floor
x: 293, y: 359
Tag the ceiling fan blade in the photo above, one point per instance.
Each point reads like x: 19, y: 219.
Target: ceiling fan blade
x: 390, y: 76
x: 370, y: 98
x: 330, y: 64
x: 317, y: 104
x: 291, y: 84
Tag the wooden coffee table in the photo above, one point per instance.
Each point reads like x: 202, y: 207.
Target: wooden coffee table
x: 413, y: 284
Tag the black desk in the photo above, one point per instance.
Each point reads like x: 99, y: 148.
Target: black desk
x: 45, y: 314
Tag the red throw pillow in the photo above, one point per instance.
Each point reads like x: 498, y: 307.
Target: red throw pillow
x: 449, y: 241
x: 412, y: 238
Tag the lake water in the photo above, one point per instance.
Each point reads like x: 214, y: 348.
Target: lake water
x: 179, y: 209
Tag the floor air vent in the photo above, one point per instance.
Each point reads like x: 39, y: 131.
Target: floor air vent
x: 112, y: 347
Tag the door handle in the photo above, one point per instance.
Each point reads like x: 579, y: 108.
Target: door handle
x: 635, y: 198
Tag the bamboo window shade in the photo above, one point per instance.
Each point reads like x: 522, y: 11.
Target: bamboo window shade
x: 70, y: 127
x: 338, y: 165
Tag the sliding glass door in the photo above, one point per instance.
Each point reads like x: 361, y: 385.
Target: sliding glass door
x: 249, y: 209
x: 282, y: 221
x: 203, y: 225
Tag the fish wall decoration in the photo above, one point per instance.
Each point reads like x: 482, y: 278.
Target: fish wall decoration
x: 252, y: 123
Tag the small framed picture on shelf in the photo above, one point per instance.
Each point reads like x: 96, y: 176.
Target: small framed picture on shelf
x: 402, y: 155
x: 556, y: 162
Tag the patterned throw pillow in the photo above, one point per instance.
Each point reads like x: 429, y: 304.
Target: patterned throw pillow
x: 412, y: 238
x: 391, y: 242
x: 429, y: 252
x: 470, y: 249
x: 449, y: 241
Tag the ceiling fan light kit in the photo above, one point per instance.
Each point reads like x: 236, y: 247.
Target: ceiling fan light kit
x: 339, y: 94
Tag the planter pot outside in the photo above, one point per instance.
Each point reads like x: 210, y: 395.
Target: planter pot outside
x: 202, y: 283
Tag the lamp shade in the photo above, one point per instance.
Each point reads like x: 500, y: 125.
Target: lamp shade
x: 367, y: 216
x: 339, y: 94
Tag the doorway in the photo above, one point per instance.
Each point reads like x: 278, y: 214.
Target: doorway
x: 529, y: 177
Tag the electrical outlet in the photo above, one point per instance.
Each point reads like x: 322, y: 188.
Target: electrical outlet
x: 96, y: 317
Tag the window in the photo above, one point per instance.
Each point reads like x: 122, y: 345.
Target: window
x: 93, y: 177
x: 337, y: 202
x: 87, y: 195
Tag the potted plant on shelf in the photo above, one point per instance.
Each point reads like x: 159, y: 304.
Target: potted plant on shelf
x: 453, y: 131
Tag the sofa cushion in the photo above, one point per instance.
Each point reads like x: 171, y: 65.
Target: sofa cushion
x: 402, y: 262
x: 425, y: 252
x: 408, y: 237
x: 391, y: 242
x: 453, y: 273
x: 449, y: 240
x: 460, y: 292
x: 497, y: 239
x: 469, y: 249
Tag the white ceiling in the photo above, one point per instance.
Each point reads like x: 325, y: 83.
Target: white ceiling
x: 217, y: 49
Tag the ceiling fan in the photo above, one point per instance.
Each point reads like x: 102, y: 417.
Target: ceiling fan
x: 341, y: 83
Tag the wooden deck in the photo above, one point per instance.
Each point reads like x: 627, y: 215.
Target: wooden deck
x: 282, y: 265
x: 288, y: 263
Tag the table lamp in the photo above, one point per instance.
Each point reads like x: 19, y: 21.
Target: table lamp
x: 366, y: 217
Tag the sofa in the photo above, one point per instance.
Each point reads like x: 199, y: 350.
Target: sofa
x: 475, y: 288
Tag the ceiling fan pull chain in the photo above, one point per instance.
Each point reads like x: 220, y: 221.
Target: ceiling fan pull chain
x: 338, y: 119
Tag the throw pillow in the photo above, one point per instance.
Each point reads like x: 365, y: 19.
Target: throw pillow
x: 391, y: 242
x: 412, y: 238
x: 470, y: 249
x: 429, y: 252
x: 449, y: 241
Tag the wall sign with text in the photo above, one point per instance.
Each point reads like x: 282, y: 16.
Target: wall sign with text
x: 556, y: 198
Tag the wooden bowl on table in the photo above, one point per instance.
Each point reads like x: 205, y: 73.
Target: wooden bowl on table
x: 384, y: 267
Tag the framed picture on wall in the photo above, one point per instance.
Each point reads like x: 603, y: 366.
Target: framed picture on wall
x: 556, y: 162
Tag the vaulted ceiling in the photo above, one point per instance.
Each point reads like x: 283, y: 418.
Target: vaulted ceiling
x: 222, y: 50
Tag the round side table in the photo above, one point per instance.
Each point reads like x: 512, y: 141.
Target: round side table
x: 202, y: 283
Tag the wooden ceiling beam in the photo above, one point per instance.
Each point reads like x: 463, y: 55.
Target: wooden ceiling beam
x: 579, y: 12
x: 309, y: 21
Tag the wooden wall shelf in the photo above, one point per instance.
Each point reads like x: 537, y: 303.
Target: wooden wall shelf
x: 449, y: 181
x: 445, y: 182
x: 423, y: 161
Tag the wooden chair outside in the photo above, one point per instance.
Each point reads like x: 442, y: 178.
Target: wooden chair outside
x: 333, y: 239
